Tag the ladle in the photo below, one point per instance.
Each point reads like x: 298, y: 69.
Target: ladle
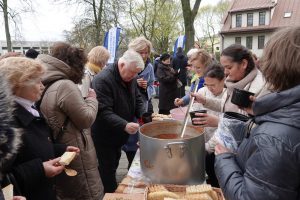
x: 188, y: 109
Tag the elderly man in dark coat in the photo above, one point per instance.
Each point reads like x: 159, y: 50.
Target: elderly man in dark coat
x: 119, y: 104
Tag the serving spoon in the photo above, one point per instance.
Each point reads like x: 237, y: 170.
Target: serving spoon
x: 188, y: 110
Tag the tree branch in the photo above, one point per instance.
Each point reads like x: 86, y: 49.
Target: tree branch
x: 195, y: 8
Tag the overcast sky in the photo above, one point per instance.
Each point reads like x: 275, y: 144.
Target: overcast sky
x: 49, y: 21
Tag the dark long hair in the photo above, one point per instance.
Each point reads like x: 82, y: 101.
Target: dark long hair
x: 238, y: 53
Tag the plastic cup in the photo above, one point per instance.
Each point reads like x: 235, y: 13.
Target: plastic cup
x: 147, y: 117
x: 193, y: 115
x: 241, y: 98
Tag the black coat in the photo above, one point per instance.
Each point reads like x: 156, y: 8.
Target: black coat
x: 167, y: 78
x: 37, y: 147
x: 119, y: 104
x: 9, y: 136
x: 267, y: 164
x: 180, y: 61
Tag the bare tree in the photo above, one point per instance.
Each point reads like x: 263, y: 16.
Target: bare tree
x: 209, y: 23
x: 98, y: 16
x: 189, y: 18
x: 91, y: 17
x: 157, y: 20
x: 208, y: 27
x: 4, y: 8
x: 14, y: 16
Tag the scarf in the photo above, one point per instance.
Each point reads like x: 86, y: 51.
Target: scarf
x: 95, y: 68
x: 243, y: 84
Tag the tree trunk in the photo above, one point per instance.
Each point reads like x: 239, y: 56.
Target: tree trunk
x: 98, y: 20
x: 190, y: 35
x: 189, y: 17
x: 8, y: 38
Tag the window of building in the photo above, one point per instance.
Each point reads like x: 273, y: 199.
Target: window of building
x: 250, y: 19
x: 238, y: 40
x: 261, y: 41
x: 287, y: 14
x: 249, y: 42
x: 262, y: 18
x: 238, y: 20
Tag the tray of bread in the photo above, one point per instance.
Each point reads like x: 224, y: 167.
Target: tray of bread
x: 161, y: 117
x: 183, y: 192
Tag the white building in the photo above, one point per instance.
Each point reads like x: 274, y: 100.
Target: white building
x: 252, y: 22
x: 23, y: 46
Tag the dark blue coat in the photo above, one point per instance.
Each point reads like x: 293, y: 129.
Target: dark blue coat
x: 267, y: 164
x: 180, y: 61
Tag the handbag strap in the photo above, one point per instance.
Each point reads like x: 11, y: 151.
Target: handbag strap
x: 250, y: 125
x: 61, y: 130
x: 38, y: 105
x: 39, y: 102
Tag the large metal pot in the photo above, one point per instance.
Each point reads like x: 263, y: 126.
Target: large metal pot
x: 172, y: 161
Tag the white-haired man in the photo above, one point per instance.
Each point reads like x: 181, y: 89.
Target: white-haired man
x: 119, y: 104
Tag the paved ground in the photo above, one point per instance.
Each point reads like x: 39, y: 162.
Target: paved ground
x: 122, y: 169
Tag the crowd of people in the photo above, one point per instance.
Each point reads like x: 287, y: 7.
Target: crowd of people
x: 70, y: 101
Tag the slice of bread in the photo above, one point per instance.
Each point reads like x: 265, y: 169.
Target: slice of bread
x: 8, y: 192
x: 203, y: 196
x: 67, y: 158
x: 195, y: 189
x: 160, y: 195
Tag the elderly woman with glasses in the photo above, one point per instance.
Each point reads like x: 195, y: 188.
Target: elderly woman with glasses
x: 198, y: 59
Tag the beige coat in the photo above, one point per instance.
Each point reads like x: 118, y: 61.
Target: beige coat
x: 63, y: 100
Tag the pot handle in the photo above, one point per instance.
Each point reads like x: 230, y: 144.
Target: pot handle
x: 182, y: 147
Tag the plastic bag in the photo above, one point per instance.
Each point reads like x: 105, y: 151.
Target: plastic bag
x: 231, y: 132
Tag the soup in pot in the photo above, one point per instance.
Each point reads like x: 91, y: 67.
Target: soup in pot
x: 170, y: 136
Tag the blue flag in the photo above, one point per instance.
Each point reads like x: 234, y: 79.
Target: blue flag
x: 111, y: 41
x: 180, y: 42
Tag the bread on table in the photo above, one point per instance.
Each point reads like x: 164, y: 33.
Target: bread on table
x: 202, y: 189
x: 201, y: 196
x: 161, y: 195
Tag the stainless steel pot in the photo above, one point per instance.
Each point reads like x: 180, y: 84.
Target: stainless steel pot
x: 172, y: 161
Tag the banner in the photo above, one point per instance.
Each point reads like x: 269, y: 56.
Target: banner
x: 111, y: 41
x: 180, y: 42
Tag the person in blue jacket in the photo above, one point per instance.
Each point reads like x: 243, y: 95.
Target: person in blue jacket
x: 199, y: 59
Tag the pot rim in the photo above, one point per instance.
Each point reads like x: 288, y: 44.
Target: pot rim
x: 168, y: 121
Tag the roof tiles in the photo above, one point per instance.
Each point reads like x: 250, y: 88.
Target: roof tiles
x: 277, y: 19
